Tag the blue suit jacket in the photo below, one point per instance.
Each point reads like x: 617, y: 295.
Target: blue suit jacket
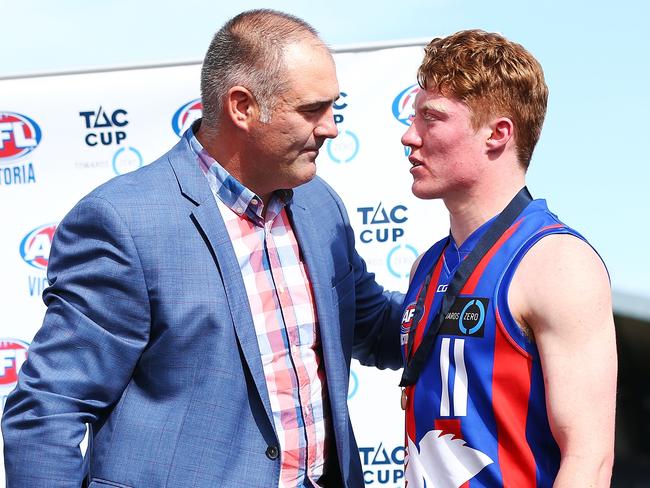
x: 148, y: 337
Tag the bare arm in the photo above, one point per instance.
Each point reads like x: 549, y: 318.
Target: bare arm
x: 561, y: 293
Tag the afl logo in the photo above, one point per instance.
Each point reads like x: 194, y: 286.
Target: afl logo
x: 19, y: 135
x: 407, y: 323
x: 35, y: 246
x: 12, y: 356
x: 186, y: 115
x: 407, y: 317
x: 403, y: 104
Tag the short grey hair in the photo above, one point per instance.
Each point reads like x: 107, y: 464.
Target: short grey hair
x: 248, y: 51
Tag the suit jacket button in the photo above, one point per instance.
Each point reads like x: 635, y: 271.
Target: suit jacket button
x: 272, y: 452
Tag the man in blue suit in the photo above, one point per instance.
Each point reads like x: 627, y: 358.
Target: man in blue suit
x: 203, y: 310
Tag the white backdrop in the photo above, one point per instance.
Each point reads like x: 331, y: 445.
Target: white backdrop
x: 61, y: 136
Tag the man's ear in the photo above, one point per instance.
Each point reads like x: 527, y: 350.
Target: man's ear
x: 241, y: 107
x: 502, y: 130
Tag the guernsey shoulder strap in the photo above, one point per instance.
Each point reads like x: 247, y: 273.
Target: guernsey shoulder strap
x: 416, y: 362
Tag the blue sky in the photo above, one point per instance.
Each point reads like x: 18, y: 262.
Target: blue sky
x: 592, y: 162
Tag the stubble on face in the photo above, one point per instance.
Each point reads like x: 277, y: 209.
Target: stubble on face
x: 287, y: 145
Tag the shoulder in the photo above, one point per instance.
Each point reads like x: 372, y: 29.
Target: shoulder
x: 562, y: 259
x: 150, y: 185
x: 145, y: 179
x: 321, y: 199
x: 315, y: 190
x: 560, y: 276
x: 426, y: 259
x: 130, y: 197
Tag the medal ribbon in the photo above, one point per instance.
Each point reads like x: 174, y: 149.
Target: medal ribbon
x: 415, y: 361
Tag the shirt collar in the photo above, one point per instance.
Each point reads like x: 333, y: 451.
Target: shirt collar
x: 233, y: 193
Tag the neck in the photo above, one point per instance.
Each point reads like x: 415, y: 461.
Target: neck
x: 221, y: 144
x: 472, y: 209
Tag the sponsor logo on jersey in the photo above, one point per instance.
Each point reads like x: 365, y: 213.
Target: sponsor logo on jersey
x: 186, y: 115
x: 19, y: 135
x: 35, y: 246
x: 442, y: 460
x: 407, y: 323
x: 466, y: 317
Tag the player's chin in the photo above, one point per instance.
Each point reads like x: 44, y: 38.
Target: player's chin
x: 423, y: 191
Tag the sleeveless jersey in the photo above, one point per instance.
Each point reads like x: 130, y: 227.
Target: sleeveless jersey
x: 477, y: 415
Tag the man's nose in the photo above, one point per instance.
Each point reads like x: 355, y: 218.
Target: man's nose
x: 326, y: 126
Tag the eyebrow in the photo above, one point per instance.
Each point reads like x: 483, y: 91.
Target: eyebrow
x: 318, y: 103
x: 434, y: 107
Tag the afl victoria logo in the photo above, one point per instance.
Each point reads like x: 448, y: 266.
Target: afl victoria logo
x: 35, y: 246
x: 403, y: 104
x: 12, y: 355
x: 186, y: 115
x: 19, y: 135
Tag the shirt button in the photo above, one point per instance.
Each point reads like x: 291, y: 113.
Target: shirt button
x: 254, y: 201
x: 272, y: 452
x: 239, y: 210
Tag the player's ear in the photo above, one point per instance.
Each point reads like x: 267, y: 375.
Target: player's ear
x: 501, y: 131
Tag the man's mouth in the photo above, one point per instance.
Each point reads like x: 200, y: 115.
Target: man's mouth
x: 415, y: 162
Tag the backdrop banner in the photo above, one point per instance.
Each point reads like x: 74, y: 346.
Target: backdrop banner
x: 63, y: 135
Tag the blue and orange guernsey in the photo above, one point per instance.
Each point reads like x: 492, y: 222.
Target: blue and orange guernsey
x: 477, y: 415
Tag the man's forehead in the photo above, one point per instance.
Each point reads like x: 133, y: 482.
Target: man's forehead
x: 431, y: 100
x: 311, y: 89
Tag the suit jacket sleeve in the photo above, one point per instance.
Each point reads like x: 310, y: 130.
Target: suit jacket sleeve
x: 95, y: 328
x: 377, y: 312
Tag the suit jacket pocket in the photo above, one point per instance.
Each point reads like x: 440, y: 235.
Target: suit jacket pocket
x: 100, y: 483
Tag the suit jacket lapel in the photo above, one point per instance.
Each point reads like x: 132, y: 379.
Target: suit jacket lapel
x: 320, y: 277
x: 207, y: 217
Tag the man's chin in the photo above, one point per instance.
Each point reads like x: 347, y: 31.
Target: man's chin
x: 305, y: 173
x: 309, y: 156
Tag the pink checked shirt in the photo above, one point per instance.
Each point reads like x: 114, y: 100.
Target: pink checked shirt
x: 283, y: 310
